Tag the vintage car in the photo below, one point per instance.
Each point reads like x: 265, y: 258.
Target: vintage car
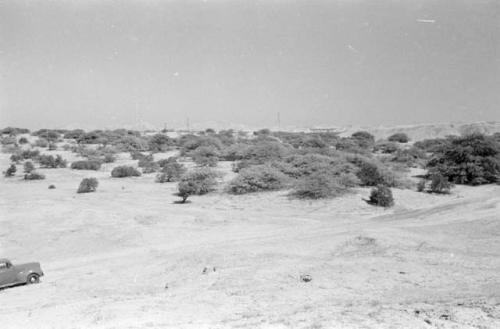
x: 11, y: 275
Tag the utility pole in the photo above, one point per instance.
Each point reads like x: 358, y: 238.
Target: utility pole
x: 187, y: 124
x: 279, y: 121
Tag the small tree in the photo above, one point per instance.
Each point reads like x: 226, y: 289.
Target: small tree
x: 88, y: 185
x: 11, y: 171
x: 28, y: 167
x: 197, y: 182
x: 381, y: 196
x: 399, y: 138
x: 171, y: 172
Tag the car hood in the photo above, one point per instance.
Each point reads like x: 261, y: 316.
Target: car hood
x: 35, y: 267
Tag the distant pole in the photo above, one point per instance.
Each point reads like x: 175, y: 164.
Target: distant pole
x: 279, y: 121
x: 187, y: 124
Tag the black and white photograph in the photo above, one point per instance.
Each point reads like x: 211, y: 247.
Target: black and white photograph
x: 250, y: 164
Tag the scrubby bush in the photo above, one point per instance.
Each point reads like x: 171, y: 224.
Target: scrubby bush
x: 10, y: 171
x: 381, y: 196
x: 125, y: 171
x: 49, y: 134
x: 171, y: 172
x: 88, y: 185
x: 421, y: 185
x: 109, y: 158
x: 52, y: 187
x: 261, y: 153
x: 86, y: 165
x: 399, y: 138
x: 34, y: 176
x: 49, y: 161
x: 163, y: 162
x: 206, y: 156
x: 23, y: 140
x: 28, y: 167
x: 144, y: 160
x: 257, y: 178
x: 319, y: 185
x: 41, y: 142
x: 14, y: 131
x: 24, y: 154
x: 189, y: 143
x: 74, y: 134
x: 432, y: 145
x: 8, y: 140
x: 439, y: 184
x: 372, y: 173
x: 364, y: 139
x: 386, y: 147
x: 197, y: 182
x: 52, y: 146
x: 160, y: 143
x: 351, y: 145
x: 410, y: 157
x: 472, y: 160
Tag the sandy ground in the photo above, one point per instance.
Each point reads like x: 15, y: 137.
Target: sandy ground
x: 128, y: 257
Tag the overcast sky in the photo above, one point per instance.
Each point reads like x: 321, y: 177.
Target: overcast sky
x: 103, y: 63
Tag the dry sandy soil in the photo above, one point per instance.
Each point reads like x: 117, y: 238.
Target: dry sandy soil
x: 128, y: 257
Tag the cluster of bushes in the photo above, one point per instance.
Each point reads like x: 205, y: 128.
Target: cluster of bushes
x: 24, y: 155
x: 472, y: 159
x: 49, y: 161
x: 14, y: 131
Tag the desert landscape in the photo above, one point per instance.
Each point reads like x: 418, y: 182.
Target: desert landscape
x: 130, y: 256
x: 257, y: 164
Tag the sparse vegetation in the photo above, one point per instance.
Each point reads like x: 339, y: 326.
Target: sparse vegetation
x: 88, y: 185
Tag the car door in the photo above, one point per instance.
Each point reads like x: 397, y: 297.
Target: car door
x: 7, y: 274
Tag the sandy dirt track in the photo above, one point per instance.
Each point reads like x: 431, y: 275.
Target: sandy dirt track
x: 128, y: 257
